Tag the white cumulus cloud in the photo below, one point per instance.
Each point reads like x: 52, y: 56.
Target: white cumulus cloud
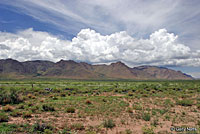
x: 137, y: 17
x: 31, y: 45
x: 162, y: 48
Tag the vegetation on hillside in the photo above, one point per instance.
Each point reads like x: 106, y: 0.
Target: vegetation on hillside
x: 71, y: 106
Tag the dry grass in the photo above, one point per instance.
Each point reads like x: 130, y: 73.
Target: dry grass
x: 86, y: 111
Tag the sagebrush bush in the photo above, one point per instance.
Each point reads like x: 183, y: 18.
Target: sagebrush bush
x: 8, y: 128
x: 77, y: 126
x: 88, y: 102
x: 198, y: 106
x: 34, y: 108
x: 155, y: 122
x: 41, y: 127
x: 147, y: 130
x: 63, y: 95
x: 137, y: 107
x: 7, y: 108
x: 168, y: 102
x: 146, y: 116
x: 27, y: 115
x: 70, y: 110
x: 185, y: 102
x: 130, y: 110
x: 130, y: 94
x: 128, y: 131
x: 3, y: 117
x: 16, y: 113
x: 48, y: 107
x: 31, y: 96
x: 109, y: 123
x: 162, y: 111
x: 21, y: 106
x: 10, y: 97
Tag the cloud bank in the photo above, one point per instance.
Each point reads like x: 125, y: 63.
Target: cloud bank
x: 138, y: 17
x: 161, y: 48
x: 195, y: 74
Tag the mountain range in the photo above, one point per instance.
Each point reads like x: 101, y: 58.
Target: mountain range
x: 10, y: 68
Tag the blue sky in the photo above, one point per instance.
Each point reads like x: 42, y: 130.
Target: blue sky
x: 137, y: 32
x: 12, y: 20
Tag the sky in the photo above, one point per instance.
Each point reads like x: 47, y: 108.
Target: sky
x: 136, y: 32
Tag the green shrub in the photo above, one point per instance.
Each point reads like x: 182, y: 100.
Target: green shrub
x: 137, y: 107
x: 30, y: 104
x: 88, y: 102
x: 168, y: 102
x: 91, y: 132
x: 41, y: 127
x: 198, y: 122
x: 109, y: 123
x: 146, y: 116
x: 104, y: 100
x: 70, y: 110
x: 167, y: 117
x: 48, y: 107
x: 185, y: 102
x: 130, y: 94
x: 198, y: 106
x: 48, y: 131
x: 123, y: 121
x: 63, y: 95
x: 54, y: 98
x: 77, y: 126
x: 162, y: 111
x: 3, y: 117
x: 34, y: 108
x: 155, y: 122
x: 27, y: 115
x: 6, y: 128
x: 128, y: 131
x: 66, y: 129
x: 147, y: 130
x: 21, y: 106
x: 10, y: 97
x: 31, y: 96
x: 130, y: 110
x: 154, y: 111
x: 7, y: 108
x: 16, y: 113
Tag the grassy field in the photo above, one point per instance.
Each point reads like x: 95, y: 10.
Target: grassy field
x: 91, y: 107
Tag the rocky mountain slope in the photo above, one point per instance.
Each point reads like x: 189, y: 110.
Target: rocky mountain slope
x: 10, y: 68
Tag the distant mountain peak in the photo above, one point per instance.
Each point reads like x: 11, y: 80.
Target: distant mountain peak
x: 66, y: 61
x: 149, y: 66
x: 74, y: 70
x: 9, y: 59
x: 118, y: 63
x: 154, y: 72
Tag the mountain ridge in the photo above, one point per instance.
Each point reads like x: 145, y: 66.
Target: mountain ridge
x: 82, y: 70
